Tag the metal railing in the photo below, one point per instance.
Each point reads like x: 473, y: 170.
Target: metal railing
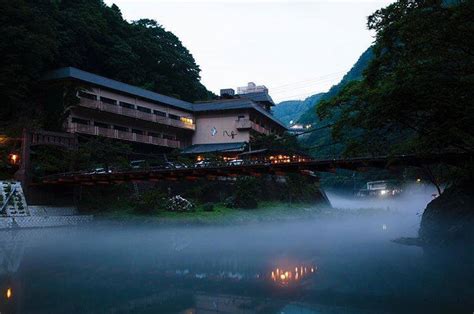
x: 242, y: 124
x: 122, y: 135
x: 134, y: 113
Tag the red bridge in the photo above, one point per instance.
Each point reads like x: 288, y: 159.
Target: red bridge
x: 253, y: 168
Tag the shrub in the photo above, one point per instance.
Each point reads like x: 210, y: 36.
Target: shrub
x: 150, y: 201
x: 246, y: 192
x: 179, y: 204
x: 208, y: 207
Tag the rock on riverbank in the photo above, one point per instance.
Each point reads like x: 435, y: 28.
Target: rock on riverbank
x: 450, y: 217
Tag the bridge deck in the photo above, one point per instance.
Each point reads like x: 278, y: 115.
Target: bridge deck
x: 253, y: 169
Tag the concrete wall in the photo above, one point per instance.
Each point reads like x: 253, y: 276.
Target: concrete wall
x: 224, y: 127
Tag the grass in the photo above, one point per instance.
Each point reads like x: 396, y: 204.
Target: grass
x: 267, y: 211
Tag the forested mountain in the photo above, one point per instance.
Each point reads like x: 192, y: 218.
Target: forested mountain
x: 416, y: 94
x: 292, y: 110
x: 40, y: 35
x: 304, y: 112
x: 355, y: 73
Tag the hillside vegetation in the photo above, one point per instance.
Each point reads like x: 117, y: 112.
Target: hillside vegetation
x: 292, y: 110
x: 41, y: 35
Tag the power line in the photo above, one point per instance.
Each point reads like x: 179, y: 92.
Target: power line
x: 308, y: 80
x: 311, y: 85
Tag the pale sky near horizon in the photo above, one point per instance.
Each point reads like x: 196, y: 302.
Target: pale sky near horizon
x: 295, y: 48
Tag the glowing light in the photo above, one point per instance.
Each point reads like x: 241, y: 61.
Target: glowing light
x: 384, y: 227
x: 383, y: 192
x: 418, y: 180
x: 9, y: 293
x: 286, y: 277
x: 3, y: 139
x: 13, y: 158
x: 186, y: 120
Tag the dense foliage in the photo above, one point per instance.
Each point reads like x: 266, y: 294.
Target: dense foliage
x: 417, y: 93
x: 41, y: 35
x: 354, y: 74
x: 292, y: 110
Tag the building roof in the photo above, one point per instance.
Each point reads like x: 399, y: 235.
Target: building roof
x: 213, y: 148
x: 219, y: 105
x: 258, y: 97
x: 73, y: 73
x: 234, y: 104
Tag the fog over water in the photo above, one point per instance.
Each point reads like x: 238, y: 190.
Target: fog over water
x: 337, y: 263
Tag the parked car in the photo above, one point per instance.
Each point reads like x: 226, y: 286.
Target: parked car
x: 203, y: 164
x: 174, y: 165
x: 138, y: 164
x: 236, y: 162
x: 101, y: 171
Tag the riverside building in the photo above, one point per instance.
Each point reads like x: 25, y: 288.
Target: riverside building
x: 128, y: 113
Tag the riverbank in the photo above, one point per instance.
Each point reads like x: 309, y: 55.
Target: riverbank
x: 221, y: 215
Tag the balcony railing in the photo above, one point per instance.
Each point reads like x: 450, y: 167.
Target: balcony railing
x: 122, y: 135
x: 245, y: 124
x: 133, y: 113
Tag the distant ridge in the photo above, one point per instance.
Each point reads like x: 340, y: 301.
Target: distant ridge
x: 303, y: 111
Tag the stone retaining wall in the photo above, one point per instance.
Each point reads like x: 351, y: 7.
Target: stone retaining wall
x: 42, y: 221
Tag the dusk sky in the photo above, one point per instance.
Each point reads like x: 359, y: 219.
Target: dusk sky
x: 295, y: 48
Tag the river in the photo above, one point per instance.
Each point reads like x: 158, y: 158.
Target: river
x: 335, y: 264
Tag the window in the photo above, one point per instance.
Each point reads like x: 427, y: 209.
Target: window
x: 87, y: 95
x: 174, y: 117
x: 109, y: 101
x: 127, y: 105
x: 159, y: 113
x: 137, y: 131
x: 143, y: 109
x: 187, y: 120
x: 240, y: 117
x: 80, y: 121
x: 120, y: 128
x: 168, y: 137
x: 101, y: 125
x: 154, y: 134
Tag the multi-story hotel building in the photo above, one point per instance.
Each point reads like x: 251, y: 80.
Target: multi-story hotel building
x: 124, y: 112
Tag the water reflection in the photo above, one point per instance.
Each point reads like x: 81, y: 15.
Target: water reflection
x: 287, y: 276
x: 317, y: 268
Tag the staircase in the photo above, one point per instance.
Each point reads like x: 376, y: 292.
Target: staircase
x: 12, y: 200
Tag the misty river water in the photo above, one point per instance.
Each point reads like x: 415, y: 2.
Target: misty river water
x: 334, y: 264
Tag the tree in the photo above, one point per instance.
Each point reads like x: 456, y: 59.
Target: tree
x: 41, y: 35
x: 416, y: 95
x: 273, y: 142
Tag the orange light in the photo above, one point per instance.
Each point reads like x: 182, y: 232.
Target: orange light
x: 282, y: 276
x: 14, y: 158
x: 9, y: 293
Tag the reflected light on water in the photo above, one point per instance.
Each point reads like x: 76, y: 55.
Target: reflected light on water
x: 9, y: 293
x: 285, y: 277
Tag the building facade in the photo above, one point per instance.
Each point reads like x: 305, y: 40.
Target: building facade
x: 120, y: 111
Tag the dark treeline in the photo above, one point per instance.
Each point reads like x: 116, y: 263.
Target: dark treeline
x: 416, y: 95
x: 40, y: 35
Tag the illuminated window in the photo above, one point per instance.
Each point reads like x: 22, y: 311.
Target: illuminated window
x: 186, y: 120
